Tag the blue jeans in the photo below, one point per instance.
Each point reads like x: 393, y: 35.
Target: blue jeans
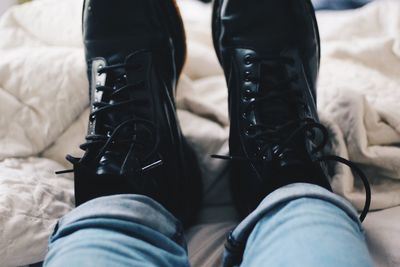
x: 297, y: 225
x: 338, y: 4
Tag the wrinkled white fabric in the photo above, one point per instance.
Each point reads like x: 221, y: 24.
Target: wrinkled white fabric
x: 43, y: 107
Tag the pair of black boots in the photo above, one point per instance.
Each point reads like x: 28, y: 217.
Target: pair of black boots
x: 135, y: 51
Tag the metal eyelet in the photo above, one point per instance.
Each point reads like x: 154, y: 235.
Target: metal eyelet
x: 247, y: 95
x: 248, y: 60
x: 247, y: 76
x: 249, y: 131
x: 246, y: 98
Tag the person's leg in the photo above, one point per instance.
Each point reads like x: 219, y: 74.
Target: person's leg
x: 119, y: 230
x: 277, y: 141
x: 339, y: 4
x: 135, y: 52
x: 300, y: 225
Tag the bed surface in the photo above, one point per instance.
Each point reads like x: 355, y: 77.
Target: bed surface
x: 43, y: 107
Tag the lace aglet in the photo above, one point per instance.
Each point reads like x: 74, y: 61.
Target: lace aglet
x: 62, y: 172
x: 221, y: 157
x: 152, y: 165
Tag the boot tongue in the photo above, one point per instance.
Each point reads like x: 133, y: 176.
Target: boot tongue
x: 279, y: 110
x: 135, y: 74
x: 276, y: 111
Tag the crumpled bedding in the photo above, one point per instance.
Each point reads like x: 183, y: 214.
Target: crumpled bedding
x: 43, y: 107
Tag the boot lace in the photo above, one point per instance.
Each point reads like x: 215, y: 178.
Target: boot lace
x: 134, y: 133
x: 279, y: 104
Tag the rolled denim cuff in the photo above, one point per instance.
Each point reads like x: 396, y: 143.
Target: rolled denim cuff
x: 237, y: 239
x: 128, y: 207
x: 338, y: 4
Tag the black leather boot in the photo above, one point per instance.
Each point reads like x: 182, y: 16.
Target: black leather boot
x: 270, y: 54
x: 135, y: 50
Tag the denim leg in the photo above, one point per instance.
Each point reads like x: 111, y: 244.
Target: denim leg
x: 119, y: 230
x: 338, y: 4
x: 299, y: 225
